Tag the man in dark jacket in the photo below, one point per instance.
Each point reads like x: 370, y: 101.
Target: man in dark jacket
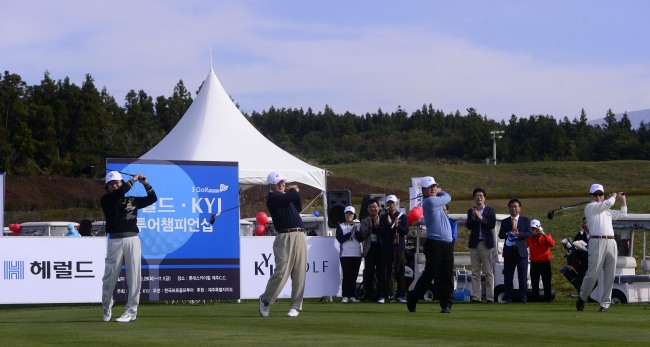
x: 515, y: 230
x: 481, y: 220
x: 290, y: 245
x: 121, y: 214
x: 393, y: 227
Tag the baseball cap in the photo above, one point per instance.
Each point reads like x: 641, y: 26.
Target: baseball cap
x: 427, y: 182
x: 274, y: 178
x: 350, y: 209
x: 596, y: 187
x: 392, y: 198
x: 113, y: 176
x: 535, y: 224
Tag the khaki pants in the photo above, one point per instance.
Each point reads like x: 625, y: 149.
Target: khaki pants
x: 602, y: 255
x: 482, y: 259
x: 290, y: 252
x: 128, y: 249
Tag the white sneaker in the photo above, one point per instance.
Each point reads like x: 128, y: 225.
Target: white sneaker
x: 293, y: 313
x: 126, y: 317
x: 344, y: 299
x: 264, y: 309
x: 107, y: 314
x: 381, y: 300
x: 353, y: 299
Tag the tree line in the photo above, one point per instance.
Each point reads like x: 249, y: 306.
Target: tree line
x: 57, y: 128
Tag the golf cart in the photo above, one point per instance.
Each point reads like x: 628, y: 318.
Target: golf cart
x: 628, y: 286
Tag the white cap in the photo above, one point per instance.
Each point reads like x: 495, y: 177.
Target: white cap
x: 113, y: 176
x: 274, y: 178
x: 596, y: 187
x: 535, y: 224
x: 427, y: 182
x: 350, y: 209
x: 391, y: 198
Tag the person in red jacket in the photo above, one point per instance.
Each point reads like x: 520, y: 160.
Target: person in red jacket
x: 540, y: 245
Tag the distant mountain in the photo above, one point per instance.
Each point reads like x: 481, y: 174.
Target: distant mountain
x: 636, y: 117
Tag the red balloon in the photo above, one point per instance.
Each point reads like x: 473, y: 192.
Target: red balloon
x: 415, y: 214
x: 262, y: 218
x: 259, y: 230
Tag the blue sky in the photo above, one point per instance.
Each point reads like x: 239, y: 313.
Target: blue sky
x: 499, y: 57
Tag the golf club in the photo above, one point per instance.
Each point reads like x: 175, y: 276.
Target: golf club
x: 87, y: 170
x: 551, y: 213
x: 214, y: 216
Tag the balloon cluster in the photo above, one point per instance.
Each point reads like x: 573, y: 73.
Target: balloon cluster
x: 261, y: 227
x: 15, y: 229
x: 415, y: 215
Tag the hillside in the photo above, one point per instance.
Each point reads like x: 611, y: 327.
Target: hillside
x: 557, y: 183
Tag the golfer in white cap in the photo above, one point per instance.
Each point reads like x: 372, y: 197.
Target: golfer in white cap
x: 602, y: 246
x: 290, y: 245
x: 438, y: 248
x: 121, y: 214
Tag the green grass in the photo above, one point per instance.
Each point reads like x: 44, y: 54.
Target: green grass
x: 331, y: 324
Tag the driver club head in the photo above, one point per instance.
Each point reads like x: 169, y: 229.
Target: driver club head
x: 212, y: 217
x: 550, y: 214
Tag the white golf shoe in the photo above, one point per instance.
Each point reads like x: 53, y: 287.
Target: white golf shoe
x: 126, y: 317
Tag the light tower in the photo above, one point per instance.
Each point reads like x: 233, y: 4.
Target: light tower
x: 496, y: 134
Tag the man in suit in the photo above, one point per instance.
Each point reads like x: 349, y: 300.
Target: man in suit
x: 515, y: 229
x: 481, y: 219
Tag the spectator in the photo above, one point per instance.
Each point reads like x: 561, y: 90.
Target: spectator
x: 540, y: 245
x: 290, y: 245
x: 72, y: 231
x: 481, y: 220
x: 515, y: 230
x: 371, y: 251
x: 602, y: 246
x: 583, y: 233
x: 121, y: 214
x: 349, y: 238
x: 393, y: 227
x: 438, y: 248
x: 86, y: 228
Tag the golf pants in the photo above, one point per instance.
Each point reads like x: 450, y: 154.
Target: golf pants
x: 290, y: 251
x: 602, y: 255
x: 128, y: 249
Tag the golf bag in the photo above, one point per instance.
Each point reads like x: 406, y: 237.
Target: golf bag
x: 577, y: 263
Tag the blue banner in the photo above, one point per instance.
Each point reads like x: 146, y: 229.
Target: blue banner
x: 184, y: 256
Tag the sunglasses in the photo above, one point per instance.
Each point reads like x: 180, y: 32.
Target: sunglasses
x: 598, y: 194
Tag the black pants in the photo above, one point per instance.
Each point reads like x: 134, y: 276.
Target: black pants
x: 372, y: 269
x: 393, y: 267
x: 350, y: 269
x: 543, y: 270
x: 512, y: 260
x: 439, y: 267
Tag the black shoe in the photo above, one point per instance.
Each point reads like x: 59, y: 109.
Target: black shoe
x: 411, y: 301
x: 474, y: 301
x: 602, y: 309
x: 489, y: 302
x: 446, y: 310
x: 580, y: 305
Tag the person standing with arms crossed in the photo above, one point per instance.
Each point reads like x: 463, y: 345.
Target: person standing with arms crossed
x: 602, y: 246
x: 290, y: 245
x: 121, y: 214
x: 438, y: 248
x: 481, y: 220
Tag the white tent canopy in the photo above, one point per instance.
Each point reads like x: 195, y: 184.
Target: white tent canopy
x: 213, y: 129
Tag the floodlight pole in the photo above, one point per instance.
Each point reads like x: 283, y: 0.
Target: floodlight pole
x: 496, y: 134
